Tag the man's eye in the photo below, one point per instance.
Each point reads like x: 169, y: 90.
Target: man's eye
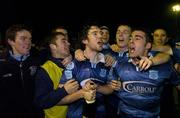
x: 94, y: 33
x: 22, y: 38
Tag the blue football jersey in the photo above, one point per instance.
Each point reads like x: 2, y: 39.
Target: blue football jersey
x: 108, y: 51
x: 141, y: 90
x: 81, y: 71
x: 176, y: 53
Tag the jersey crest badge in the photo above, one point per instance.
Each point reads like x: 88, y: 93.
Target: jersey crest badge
x: 70, y: 66
x: 103, y: 73
x: 68, y: 74
x: 153, y: 74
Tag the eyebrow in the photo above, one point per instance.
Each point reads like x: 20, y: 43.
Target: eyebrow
x: 24, y: 36
x: 138, y: 36
x: 64, y: 39
x: 94, y: 31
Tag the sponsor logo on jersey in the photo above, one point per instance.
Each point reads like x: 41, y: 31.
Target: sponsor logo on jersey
x: 139, y: 87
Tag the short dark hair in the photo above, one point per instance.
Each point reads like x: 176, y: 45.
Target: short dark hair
x: 148, y: 35
x: 104, y: 28
x: 11, y: 32
x: 59, y: 27
x: 83, y: 34
x: 52, y: 37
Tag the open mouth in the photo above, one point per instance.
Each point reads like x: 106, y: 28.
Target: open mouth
x: 100, y: 43
x: 27, y: 48
x: 132, y: 49
x: 121, y: 40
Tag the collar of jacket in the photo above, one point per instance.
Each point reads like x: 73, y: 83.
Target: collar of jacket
x: 57, y: 61
x: 19, y: 57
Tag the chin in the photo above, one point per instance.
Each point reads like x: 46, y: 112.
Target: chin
x: 132, y: 55
x: 25, y: 53
x: 99, y: 49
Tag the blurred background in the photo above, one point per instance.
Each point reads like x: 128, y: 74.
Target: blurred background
x: 42, y: 16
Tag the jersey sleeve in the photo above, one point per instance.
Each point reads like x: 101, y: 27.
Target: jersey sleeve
x: 176, y: 54
x: 175, y: 78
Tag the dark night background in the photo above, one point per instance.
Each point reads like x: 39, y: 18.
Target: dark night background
x: 42, y: 16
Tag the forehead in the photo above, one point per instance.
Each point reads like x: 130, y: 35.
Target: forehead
x: 138, y: 32
x: 104, y: 30
x: 94, y: 28
x: 60, y: 37
x: 23, y: 33
x: 123, y: 27
x: 61, y: 30
x: 160, y: 31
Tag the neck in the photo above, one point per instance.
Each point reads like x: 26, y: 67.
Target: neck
x: 123, y: 49
x: 19, y: 57
x: 135, y: 60
x: 58, y: 56
x: 90, y: 54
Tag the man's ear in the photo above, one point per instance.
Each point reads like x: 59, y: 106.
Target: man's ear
x: 148, y: 46
x: 84, y: 41
x: 167, y: 39
x: 152, y: 34
x: 10, y: 42
x: 52, y: 46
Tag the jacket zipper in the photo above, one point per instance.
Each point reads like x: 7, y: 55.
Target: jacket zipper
x: 22, y: 78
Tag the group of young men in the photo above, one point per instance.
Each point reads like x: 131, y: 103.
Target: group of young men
x: 128, y: 77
